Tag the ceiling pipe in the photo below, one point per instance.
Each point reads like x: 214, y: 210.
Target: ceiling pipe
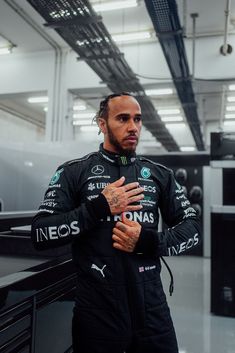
x: 185, y: 18
x: 194, y: 16
x: 226, y: 48
x: 221, y: 120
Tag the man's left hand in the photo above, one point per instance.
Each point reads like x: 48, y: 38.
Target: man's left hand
x: 126, y: 234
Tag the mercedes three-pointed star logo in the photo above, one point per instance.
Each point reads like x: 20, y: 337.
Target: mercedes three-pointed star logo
x: 97, y: 169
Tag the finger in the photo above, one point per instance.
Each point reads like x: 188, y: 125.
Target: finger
x: 119, y: 241
x: 123, y: 217
x: 118, y: 233
x: 119, y: 182
x: 121, y: 247
x: 126, y: 221
x: 133, y: 208
x: 135, y: 198
x: 134, y: 192
x: 131, y: 186
x: 120, y: 226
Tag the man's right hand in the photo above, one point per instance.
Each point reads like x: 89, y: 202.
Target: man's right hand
x: 121, y: 197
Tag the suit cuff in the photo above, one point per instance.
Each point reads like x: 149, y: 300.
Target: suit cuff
x: 99, y: 207
x: 147, y: 242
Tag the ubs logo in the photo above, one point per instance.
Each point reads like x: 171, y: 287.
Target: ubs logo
x: 97, y: 169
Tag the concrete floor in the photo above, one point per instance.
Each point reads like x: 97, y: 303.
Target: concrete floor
x: 198, y: 331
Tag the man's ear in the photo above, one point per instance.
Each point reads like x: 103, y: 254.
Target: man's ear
x: 102, y: 125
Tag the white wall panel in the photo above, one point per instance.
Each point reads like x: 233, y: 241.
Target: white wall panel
x: 26, y: 73
x: 14, y: 129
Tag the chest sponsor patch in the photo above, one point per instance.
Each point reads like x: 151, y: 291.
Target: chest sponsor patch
x: 56, y: 177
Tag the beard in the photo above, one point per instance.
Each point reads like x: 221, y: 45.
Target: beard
x: 120, y: 150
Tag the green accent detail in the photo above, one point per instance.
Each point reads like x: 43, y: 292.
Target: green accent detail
x: 56, y: 176
x: 123, y: 160
x: 148, y: 198
x: 145, y: 172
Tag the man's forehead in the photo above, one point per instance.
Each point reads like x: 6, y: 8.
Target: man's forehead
x: 124, y: 104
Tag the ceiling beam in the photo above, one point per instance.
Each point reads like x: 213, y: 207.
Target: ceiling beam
x: 94, y: 44
x: 164, y: 15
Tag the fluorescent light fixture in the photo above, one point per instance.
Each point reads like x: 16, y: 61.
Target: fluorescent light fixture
x: 82, y: 122
x: 158, y: 92
x: 231, y: 87
x: 45, y: 109
x: 131, y: 36
x: 229, y: 116
x: 114, y: 5
x: 90, y: 128
x: 168, y: 111
x: 28, y: 163
x: 229, y: 123
x: 89, y: 115
x: 231, y: 99
x: 187, y: 148
x: 230, y: 108
x: 79, y: 107
x: 168, y: 119
x: 175, y: 126
x: 42, y: 99
x: 5, y: 50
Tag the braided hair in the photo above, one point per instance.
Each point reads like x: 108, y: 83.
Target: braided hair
x: 104, y: 109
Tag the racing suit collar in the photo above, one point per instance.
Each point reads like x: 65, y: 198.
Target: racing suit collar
x: 115, y: 158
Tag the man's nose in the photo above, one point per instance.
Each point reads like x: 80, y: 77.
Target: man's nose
x: 132, y: 125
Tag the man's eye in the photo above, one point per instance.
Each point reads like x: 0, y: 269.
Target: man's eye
x: 123, y: 118
x: 137, y: 119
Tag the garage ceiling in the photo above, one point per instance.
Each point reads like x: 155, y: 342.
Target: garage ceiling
x: 210, y: 93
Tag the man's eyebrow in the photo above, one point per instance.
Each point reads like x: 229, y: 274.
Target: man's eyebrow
x: 122, y: 114
x: 127, y: 114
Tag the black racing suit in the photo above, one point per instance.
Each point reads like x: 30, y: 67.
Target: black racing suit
x: 120, y: 304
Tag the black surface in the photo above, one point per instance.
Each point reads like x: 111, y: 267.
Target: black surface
x: 11, y: 264
x: 222, y: 145
x: 229, y: 186
x: 20, y: 243
x: 172, y: 160
x: 36, y: 312
x: 223, y: 264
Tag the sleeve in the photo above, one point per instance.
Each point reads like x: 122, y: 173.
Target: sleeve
x: 59, y: 219
x: 181, y: 218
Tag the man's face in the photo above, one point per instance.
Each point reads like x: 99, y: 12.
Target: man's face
x: 122, y: 128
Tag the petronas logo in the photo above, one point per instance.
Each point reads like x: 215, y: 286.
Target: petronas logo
x: 123, y: 160
x: 145, y: 172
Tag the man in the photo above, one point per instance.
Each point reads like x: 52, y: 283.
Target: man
x: 106, y: 204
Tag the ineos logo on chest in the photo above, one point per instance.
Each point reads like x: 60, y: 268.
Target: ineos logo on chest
x: 97, y: 169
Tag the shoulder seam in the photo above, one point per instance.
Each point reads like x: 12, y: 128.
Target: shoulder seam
x: 158, y: 164
x: 80, y: 159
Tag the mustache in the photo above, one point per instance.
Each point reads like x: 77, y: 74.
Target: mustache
x: 132, y: 134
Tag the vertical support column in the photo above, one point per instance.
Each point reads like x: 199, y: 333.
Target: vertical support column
x: 59, y: 120
x: 67, y: 123
x: 65, y: 127
x: 52, y: 112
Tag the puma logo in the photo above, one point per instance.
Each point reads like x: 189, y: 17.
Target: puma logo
x: 101, y: 270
